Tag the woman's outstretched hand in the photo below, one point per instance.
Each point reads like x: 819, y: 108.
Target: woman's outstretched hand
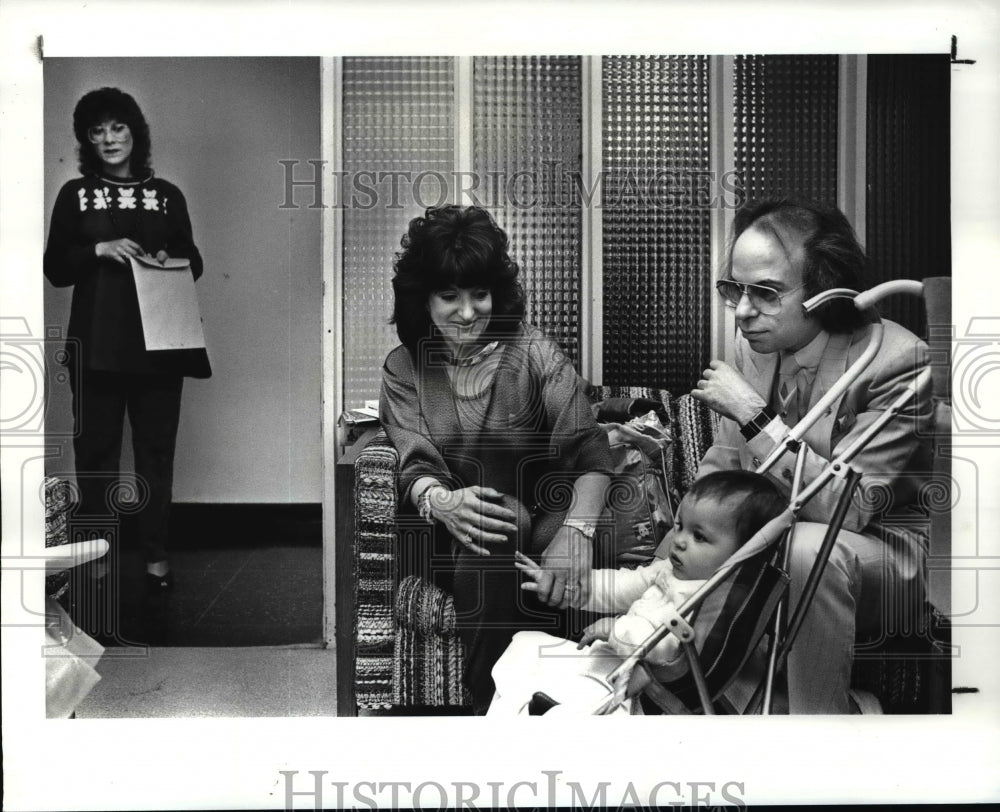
x: 473, y: 515
x: 119, y: 250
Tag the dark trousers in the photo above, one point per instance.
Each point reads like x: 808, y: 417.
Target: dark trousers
x: 490, y: 606
x: 153, y: 404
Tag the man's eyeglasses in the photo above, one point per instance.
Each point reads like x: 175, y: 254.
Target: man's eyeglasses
x: 762, y: 298
x: 117, y: 131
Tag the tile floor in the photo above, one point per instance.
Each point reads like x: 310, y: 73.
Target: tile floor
x: 240, y: 634
x: 230, y: 682
x: 228, y: 596
x: 244, y: 576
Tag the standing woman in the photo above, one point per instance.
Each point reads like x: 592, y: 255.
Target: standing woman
x: 498, y: 447
x: 115, y: 211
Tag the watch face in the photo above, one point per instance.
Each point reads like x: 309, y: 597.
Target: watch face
x: 587, y: 528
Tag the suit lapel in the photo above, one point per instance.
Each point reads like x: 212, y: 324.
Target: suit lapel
x: 761, y: 370
x: 832, y: 365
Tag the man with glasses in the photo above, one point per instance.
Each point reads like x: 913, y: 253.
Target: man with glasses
x: 785, y: 360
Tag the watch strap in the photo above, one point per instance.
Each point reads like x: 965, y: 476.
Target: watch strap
x: 588, y: 529
x: 755, y: 425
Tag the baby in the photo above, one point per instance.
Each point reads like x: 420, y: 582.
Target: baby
x: 719, y: 513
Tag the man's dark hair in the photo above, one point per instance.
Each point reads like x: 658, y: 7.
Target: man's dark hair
x: 457, y: 246
x: 105, y: 104
x: 757, y: 498
x: 832, y: 256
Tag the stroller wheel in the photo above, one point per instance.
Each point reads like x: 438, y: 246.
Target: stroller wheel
x: 540, y: 703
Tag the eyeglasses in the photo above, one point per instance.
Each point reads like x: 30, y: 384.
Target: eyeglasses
x: 762, y: 298
x: 117, y: 131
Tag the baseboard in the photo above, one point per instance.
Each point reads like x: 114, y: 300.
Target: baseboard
x: 245, y: 525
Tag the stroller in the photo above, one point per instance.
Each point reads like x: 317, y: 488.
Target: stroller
x: 722, y: 625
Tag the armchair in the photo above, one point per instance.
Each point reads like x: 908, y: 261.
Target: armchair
x: 398, y: 647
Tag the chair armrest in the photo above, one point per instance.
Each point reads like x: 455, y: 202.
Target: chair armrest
x: 375, y: 570
x: 695, y: 428
x: 58, y: 500
x: 424, y: 608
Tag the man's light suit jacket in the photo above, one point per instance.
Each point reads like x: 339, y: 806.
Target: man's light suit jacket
x: 894, y: 464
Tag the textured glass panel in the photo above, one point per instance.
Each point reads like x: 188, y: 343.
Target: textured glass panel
x: 398, y: 122
x: 526, y: 137
x: 785, y: 118
x: 908, y: 222
x: 657, y: 199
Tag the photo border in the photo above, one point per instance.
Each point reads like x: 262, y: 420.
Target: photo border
x: 197, y: 763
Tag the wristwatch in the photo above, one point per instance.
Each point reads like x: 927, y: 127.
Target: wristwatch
x: 424, y: 503
x: 755, y: 425
x: 588, y: 529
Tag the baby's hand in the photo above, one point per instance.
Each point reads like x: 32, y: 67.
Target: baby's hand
x: 540, y: 578
x: 599, y: 630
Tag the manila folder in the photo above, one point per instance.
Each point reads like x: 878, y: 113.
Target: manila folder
x: 168, y: 304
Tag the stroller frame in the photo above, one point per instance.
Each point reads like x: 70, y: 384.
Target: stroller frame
x: 631, y: 676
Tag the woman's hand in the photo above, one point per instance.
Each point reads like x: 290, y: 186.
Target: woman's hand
x: 567, y: 559
x: 473, y: 515
x: 119, y: 250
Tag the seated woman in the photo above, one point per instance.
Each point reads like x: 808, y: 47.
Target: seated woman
x: 498, y: 447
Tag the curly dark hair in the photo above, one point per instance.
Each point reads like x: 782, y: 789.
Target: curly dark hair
x: 102, y: 105
x: 833, y: 257
x: 460, y: 246
x: 759, y: 499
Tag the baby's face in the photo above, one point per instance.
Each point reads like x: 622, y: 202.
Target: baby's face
x: 703, y: 537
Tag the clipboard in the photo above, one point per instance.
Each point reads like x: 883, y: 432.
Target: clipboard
x: 168, y: 304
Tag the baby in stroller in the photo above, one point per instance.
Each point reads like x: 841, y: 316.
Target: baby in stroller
x: 718, y: 514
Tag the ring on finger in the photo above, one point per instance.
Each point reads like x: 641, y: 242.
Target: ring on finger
x: 573, y: 588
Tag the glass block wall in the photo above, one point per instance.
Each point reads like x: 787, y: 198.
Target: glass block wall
x: 526, y: 121
x: 785, y: 121
x: 656, y: 193
x: 398, y: 117
x: 908, y: 208
x: 656, y: 198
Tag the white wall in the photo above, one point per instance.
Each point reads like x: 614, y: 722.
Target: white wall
x: 219, y: 126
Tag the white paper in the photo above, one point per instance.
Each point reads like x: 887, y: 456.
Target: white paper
x: 168, y: 304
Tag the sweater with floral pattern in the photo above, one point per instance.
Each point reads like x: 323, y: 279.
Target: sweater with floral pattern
x: 105, y: 328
